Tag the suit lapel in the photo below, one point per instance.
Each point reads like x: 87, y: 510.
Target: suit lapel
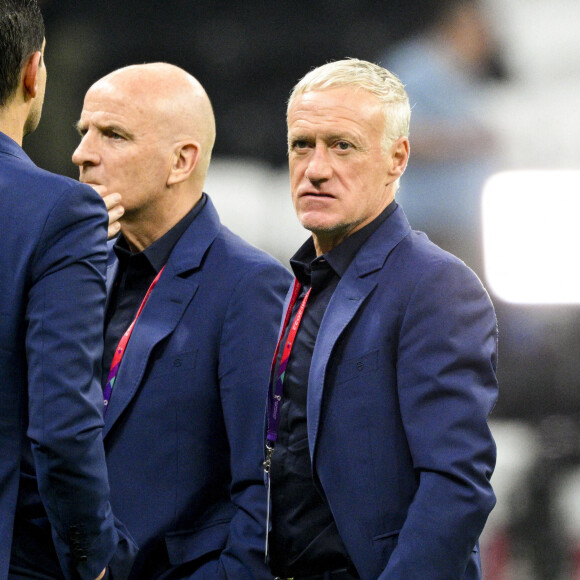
x: 344, y: 304
x: 112, y: 269
x: 160, y: 316
x: 352, y: 291
x: 167, y: 303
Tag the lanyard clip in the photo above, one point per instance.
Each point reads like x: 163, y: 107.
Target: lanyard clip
x: 268, y: 461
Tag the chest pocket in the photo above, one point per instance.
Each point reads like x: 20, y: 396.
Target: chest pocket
x: 174, y: 363
x: 356, y: 367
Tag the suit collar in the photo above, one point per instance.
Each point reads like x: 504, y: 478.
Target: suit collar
x: 10, y: 147
x: 340, y: 257
x: 189, y: 251
x: 375, y: 252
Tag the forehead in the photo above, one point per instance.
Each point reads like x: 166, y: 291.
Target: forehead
x: 108, y: 103
x: 344, y: 107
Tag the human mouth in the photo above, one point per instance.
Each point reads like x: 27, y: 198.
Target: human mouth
x: 316, y: 195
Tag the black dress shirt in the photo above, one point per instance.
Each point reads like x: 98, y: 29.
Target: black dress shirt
x: 136, y: 273
x: 304, y: 538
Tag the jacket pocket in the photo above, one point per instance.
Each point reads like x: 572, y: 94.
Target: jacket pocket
x: 357, y: 366
x: 189, y: 545
x: 173, y: 363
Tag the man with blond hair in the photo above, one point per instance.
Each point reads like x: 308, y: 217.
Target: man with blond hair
x: 191, y: 319
x: 378, y: 451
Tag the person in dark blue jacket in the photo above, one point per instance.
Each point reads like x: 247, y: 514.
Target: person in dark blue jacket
x: 378, y: 450
x: 55, y: 515
x: 184, y: 393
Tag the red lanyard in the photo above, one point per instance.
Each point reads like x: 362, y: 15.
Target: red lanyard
x: 276, y: 385
x: 120, y: 350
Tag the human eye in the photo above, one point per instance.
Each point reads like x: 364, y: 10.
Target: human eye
x: 299, y: 144
x: 342, y: 145
x: 113, y: 135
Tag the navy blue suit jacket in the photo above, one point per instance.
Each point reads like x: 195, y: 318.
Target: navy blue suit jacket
x: 401, y: 384
x: 52, y: 259
x: 183, y: 429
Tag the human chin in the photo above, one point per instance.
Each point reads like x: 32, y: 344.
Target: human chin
x: 319, y: 222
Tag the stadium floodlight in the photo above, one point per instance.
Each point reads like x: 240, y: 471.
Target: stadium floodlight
x: 531, y: 236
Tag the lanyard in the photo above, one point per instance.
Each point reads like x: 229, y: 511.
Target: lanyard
x: 276, y: 386
x: 120, y: 350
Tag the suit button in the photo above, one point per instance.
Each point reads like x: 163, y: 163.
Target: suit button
x: 360, y: 365
x: 177, y: 362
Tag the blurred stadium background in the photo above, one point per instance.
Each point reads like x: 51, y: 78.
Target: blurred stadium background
x: 524, y: 96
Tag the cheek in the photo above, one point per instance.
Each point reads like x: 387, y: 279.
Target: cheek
x: 294, y: 171
x: 295, y: 177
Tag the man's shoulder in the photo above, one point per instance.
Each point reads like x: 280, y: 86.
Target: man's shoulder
x: 242, y: 252
x: 416, y: 245
x: 21, y: 174
x: 416, y: 255
x: 417, y: 260
x: 56, y: 182
x: 31, y: 197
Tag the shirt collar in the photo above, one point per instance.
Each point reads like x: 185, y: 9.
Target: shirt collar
x: 159, y: 251
x: 340, y: 257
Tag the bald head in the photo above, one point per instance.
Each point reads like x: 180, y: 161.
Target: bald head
x: 172, y: 99
x: 147, y: 134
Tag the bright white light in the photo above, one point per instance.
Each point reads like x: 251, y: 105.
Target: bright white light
x: 531, y: 236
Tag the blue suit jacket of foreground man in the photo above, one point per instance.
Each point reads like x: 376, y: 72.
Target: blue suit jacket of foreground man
x: 399, y: 391
x: 183, y: 426
x: 53, y: 293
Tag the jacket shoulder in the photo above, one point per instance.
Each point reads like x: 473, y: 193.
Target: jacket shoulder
x: 242, y: 252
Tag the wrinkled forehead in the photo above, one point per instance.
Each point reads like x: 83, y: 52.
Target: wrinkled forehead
x: 335, y: 106
x: 121, y: 102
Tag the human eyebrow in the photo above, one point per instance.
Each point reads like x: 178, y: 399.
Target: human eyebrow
x: 109, y: 130
x: 80, y: 128
x: 337, y: 137
x: 104, y: 129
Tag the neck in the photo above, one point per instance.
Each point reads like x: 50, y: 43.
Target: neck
x: 324, y: 246
x: 143, y: 228
x: 326, y: 241
x: 12, y: 126
x: 13, y: 117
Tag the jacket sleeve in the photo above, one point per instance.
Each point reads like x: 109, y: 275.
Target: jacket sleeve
x: 64, y: 348
x: 247, y: 346
x: 446, y: 372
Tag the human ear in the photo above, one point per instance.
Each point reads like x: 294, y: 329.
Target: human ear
x: 399, y: 156
x: 185, y: 159
x: 30, y: 74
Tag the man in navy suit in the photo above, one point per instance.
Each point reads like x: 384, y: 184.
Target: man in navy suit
x: 184, y: 394
x: 378, y: 449
x: 53, y: 477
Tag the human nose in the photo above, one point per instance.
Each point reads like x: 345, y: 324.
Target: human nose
x: 319, y: 167
x: 85, y: 153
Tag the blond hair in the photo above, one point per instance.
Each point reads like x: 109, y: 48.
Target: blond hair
x: 363, y: 75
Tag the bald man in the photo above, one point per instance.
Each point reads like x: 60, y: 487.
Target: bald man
x: 191, y: 321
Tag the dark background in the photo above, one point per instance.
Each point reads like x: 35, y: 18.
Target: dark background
x: 247, y: 55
